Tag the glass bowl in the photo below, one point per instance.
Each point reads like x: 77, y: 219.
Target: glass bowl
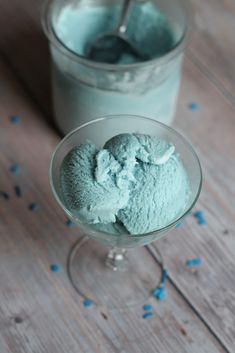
x: 91, y: 266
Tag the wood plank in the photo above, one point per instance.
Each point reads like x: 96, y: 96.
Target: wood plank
x: 24, y: 67
x: 212, y: 47
x: 25, y: 47
x: 211, y: 129
x: 40, y: 312
x: 213, y: 43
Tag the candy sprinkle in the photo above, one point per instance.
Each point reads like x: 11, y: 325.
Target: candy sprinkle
x: 199, y: 215
x: 202, y: 222
x: 15, y: 169
x: 193, y: 106
x: 148, y: 307
x: 160, y: 293
x: 164, y: 276
x: 5, y: 195
x: 18, y: 191
x: 148, y: 315
x: 179, y: 225
x: 70, y: 224
x: 88, y: 303
x: 194, y: 263
x: 33, y: 207
x: 15, y: 119
x: 55, y: 268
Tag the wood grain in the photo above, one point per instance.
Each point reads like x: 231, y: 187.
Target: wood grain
x: 208, y: 80
x: 25, y: 48
x: 212, y: 48
x: 40, y: 312
x: 211, y: 129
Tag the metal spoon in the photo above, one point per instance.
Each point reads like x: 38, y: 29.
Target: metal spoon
x: 111, y: 46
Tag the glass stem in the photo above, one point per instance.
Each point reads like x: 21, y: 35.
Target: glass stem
x: 117, y: 259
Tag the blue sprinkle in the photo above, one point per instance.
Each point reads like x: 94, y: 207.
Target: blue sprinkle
x: 202, y: 221
x: 88, y: 303
x: 15, y: 169
x: 148, y: 315
x: 148, y: 307
x: 18, y: 191
x: 179, y: 225
x: 164, y: 276
x: 199, y: 215
x: 193, y: 106
x: 70, y: 224
x: 160, y: 293
x: 5, y: 195
x: 15, y: 119
x: 55, y: 268
x: 33, y: 207
x: 193, y: 263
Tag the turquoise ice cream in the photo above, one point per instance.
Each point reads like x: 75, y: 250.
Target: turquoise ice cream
x: 148, y: 28
x: 135, y: 184
x: 90, y: 186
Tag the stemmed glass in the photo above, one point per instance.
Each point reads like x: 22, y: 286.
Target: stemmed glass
x: 118, y: 277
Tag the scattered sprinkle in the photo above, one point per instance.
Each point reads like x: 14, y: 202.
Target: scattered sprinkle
x: 199, y: 215
x: 148, y: 307
x: 15, y: 169
x: 33, y: 207
x: 226, y: 232
x: 5, y: 195
x: 148, y: 315
x: 160, y: 293
x: 88, y: 303
x: 194, y: 263
x: 202, y: 222
x: 164, y: 276
x: 179, y: 225
x: 104, y: 316
x: 18, y: 320
x: 193, y: 106
x: 15, y: 119
x: 18, y: 191
x: 183, y: 331
x: 55, y: 268
x: 70, y: 224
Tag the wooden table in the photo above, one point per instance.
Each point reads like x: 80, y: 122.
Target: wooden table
x: 39, y: 310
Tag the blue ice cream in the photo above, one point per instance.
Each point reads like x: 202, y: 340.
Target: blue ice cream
x: 89, y: 184
x: 148, y: 28
x: 135, y: 184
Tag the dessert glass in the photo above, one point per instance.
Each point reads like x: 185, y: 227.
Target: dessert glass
x: 126, y: 273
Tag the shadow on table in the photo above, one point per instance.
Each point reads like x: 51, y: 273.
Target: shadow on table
x: 26, y: 50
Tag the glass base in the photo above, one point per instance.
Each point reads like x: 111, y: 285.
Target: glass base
x: 113, y: 279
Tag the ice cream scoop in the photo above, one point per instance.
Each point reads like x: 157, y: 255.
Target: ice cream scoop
x: 136, y: 182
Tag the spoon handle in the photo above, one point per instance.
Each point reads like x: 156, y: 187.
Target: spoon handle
x: 126, y: 11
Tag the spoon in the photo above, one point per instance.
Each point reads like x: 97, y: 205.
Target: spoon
x: 111, y: 46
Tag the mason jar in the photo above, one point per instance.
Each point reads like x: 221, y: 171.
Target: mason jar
x: 84, y: 89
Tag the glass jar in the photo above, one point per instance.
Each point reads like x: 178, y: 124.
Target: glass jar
x: 85, y: 89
